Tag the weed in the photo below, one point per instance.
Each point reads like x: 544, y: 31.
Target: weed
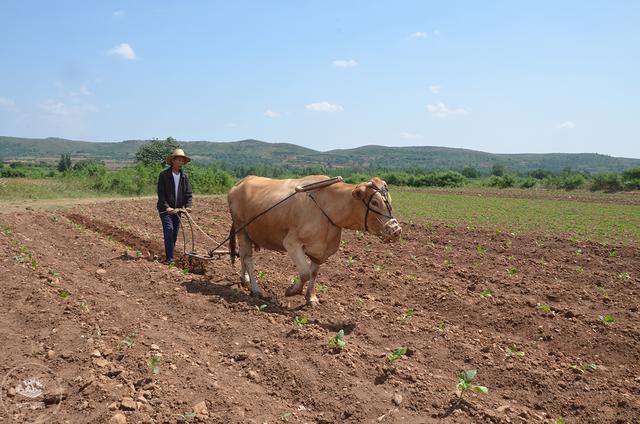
x: 154, y: 364
x: 407, y: 315
x: 64, y: 294
x: 300, y: 321
x: 337, y: 342
x: 513, y: 350
x: 396, y: 354
x: 486, y: 293
x: 607, y: 319
x: 464, y: 384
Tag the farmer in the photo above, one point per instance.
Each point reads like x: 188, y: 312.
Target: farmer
x: 174, y: 192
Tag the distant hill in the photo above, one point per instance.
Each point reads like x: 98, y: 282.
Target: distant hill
x: 254, y: 152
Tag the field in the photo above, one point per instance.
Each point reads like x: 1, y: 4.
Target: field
x: 538, y: 292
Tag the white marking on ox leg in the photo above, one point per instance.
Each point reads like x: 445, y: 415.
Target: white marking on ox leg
x: 244, y: 275
x: 296, y: 253
x: 255, y: 290
x: 312, y: 298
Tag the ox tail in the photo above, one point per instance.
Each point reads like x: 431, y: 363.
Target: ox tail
x: 232, y: 244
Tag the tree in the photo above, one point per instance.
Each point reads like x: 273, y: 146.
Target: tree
x: 65, y: 162
x: 156, y: 151
x: 470, y: 172
x: 498, y: 169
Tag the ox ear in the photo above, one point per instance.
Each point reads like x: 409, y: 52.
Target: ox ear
x: 360, y: 191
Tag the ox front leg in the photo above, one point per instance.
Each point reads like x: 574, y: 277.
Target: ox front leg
x: 300, y: 260
x: 248, y: 263
x: 312, y: 298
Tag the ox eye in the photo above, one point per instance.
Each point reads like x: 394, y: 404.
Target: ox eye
x: 376, y: 203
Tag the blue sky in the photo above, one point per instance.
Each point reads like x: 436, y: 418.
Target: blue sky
x: 502, y: 77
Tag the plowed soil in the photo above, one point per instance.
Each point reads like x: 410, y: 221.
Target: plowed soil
x: 83, y: 295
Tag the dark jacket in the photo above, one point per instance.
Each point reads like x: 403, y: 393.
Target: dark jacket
x: 167, y: 191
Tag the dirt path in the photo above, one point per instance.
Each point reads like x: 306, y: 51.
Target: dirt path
x: 82, y: 295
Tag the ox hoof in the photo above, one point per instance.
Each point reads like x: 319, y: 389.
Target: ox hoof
x: 313, y: 302
x: 293, y: 289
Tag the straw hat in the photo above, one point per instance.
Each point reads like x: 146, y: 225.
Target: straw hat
x: 178, y: 153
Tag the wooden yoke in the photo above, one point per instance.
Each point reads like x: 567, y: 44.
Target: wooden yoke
x: 319, y: 184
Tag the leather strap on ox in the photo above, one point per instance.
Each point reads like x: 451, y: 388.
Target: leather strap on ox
x: 385, y: 196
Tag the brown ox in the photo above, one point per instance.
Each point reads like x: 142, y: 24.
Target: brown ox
x: 307, y: 225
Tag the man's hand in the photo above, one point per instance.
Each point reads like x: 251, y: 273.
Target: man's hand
x: 171, y: 211
x: 188, y: 210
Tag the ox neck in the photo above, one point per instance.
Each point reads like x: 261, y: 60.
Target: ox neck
x: 345, y: 211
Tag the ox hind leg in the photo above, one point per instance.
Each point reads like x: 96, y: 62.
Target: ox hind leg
x: 306, y: 271
x: 246, y: 264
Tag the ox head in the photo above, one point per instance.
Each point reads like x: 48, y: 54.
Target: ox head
x: 378, y: 217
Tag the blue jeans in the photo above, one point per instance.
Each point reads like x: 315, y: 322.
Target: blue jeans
x: 170, y: 227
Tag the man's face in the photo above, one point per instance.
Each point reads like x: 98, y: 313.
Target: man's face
x: 178, y: 162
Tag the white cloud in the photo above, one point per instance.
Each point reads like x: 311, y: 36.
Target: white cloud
x: 7, y: 104
x: 84, y: 90
x: 440, y: 110
x: 271, y: 114
x: 410, y: 136
x: 324, y: 107
x: 118, y: 13
x: 435, y: 88
x: 568, y: 124
x: 345, y: 63
x: 123, y: 50
x: 418, y: 35
x: 57, y: 108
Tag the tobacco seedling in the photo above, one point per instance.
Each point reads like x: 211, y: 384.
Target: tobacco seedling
x: 154, y: 364
x: 486, y: 293
x: 464, y: 384
x: 613, y: 253
x: 349, y: 262
x: 407, y: 315
x: 321, y: 288
x: 185, y: 271
x: 607, y: 319
x: 625, y: 276
x: 544, y: 307
x: 130, y: 340
x: 582, y: 367
x: 559, y: 420
x: 300, y: 321
x: 64, y: 294
x: 513, y: 350
x: 512, y: 270
x: 337, y: 342
x: 262, y: 275
x: 396, y: 354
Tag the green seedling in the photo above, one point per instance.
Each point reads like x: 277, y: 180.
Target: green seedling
x: 613, y: 253
x: 64, y: 294
x: 349, y: 262
x: 607, y: 319
x: 262, y: 275
x: 544, y: 307
x: 407, y: 315
x: 441, y: 327
x: 185, y: 271
x: 625, y: 276
x: 513, y: 350
x: 378, y: 268
x: 579, y: 269
x: 261, y: 307
x: 337, y: 342
x: 464, y: 384
x: 396, y: 354
x: 300, y: 321
x: 138, y: 253
x: 285, y: 416
x: 359, y: 301
x: 154, y: 364
x: 321, y: 288
x: 559, y: 420
x: 486, y: 293
x: 512, y: 270
x: 130, y: 340
x: 481, y: 249
x: 84, y: 307
x: 54, y: 273
x: 579, y: 252
x: 603, y: 292
x: 582, y: 367
x: 188, y: 416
